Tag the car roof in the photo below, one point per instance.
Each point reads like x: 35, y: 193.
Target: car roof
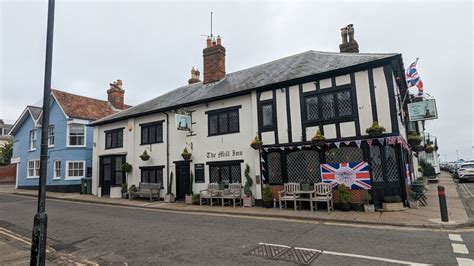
x: 464, y: 164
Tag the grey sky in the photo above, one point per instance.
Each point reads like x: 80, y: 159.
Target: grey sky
x: 152, y: 46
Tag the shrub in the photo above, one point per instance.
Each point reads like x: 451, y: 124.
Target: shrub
x: 248, y: 182
x: 375, y: 129
x: 344, y: 193
x: 267, y: 194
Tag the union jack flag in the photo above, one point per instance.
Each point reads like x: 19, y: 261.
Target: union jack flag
x: 354, y: 175
x: 413, y: 78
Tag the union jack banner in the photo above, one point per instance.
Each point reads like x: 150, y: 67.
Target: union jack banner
x: 354, y: 175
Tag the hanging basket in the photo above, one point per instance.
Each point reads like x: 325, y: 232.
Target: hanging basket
x: 256, y: 146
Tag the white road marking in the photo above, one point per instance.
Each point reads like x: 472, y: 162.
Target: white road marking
x: 455, y: 237
x: 467, y: 190
x: 460, y: 248
x: 465, y: 262
x: 354, y: 255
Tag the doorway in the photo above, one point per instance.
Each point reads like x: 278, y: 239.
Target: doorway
x: 182, y: 179
x: 111, y: 173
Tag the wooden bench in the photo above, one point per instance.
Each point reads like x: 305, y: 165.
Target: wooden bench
x: 290, y: 192
x: 233, y: 194
x: 322, y: 193
x: 209, y: 194
x: 146, y: 189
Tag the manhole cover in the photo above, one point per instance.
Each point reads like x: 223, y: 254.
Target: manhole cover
x: 291, y: 254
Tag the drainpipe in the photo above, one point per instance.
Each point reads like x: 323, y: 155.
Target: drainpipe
x: 167, y: 150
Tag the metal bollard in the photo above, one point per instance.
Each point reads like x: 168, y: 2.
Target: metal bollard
x: 443, y: 207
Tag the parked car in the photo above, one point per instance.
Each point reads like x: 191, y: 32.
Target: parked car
x: 466, y: 172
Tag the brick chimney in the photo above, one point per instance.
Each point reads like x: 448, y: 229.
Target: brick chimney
x: 115, y: 95
x: 351, y: 45
x: 194, y: 76
x: 214, y: 60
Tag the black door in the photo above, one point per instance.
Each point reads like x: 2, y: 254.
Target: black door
x: 182, y: 179
x: 111, y: 173
x: 385, y: 170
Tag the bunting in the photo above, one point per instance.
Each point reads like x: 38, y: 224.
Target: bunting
x: 358, y: 143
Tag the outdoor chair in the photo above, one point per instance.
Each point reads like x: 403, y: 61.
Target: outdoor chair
x: 233, y: 194
x: 209, y: 194
x: 418, y: 190
x: 322, y: 193
x: 289, y: 193
x: 146, y: 189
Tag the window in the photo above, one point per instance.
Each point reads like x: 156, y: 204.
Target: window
x: 51, y: 136
x: 275, y: 175
x: 33, y: 140
x: 328, y: 106
x: 57, y: 170
x: 303, y: 166
x: 152, y: 133
x: 344, y: 155
x: 152, y: 174
x: 267, y: 112
x: 76, y: 135
x: 75, y: 169
x: 114, y: 138
x: 223, y: 121
x: 33, y: 169
x: 226, y: 172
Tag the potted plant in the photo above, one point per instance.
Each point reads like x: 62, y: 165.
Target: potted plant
x: 189, y: 195
x: 392, y: 203
x: 267, y: 197
x: 185, y: 154
x: 436, y: 145
x: 305, y: 185
x: 417, y: 148
x: 318, y: 139
x: 414, y: 139
x: 249, y: 200
x: 256, y: 143
x: 368, y: 205
x: 429, y: 148
x: 124, y: 190
x: 169, y: 197
x: 144, y: 156
x: 344, y: 197
x: 375, y: 130
x: 412, y: 201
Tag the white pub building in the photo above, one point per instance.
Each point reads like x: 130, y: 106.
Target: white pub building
x: 284, y: 102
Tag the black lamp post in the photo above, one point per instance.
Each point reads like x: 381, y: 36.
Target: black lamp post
x: 38, y: 243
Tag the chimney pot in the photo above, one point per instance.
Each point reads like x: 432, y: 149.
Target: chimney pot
x: 208, y: 42
x: 351, y: 45
x: 115, y: 94
x: 219, y: 42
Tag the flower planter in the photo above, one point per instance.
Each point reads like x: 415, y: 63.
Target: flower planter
x: 414, y: 142
x: 145, y: 157
x: 394, y: 206
x: 304, y: 187
x: 413, y: 204
x: 249, y: 201
x: 256, y: 146
x: 189, y: 199
x: 169, y: 198
x: 369, y: 208
x: 115, y: 192
x: 186, y: 156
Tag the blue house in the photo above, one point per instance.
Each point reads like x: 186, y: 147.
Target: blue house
x: 70, y: 139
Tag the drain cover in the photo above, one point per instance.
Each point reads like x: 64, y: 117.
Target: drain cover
x: 291, y: 254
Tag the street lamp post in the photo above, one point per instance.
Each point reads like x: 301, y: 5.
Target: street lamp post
x: 38, y: 243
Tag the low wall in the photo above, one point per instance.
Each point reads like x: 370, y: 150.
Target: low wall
x: 8, y: 174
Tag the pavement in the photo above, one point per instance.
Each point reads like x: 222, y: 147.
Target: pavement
x: 424, y: 216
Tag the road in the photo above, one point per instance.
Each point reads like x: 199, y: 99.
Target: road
x: 466, y: 191
x: 112, y: 234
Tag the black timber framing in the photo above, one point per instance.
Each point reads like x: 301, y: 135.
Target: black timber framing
x: 275, y: 120
x: 387, y: 70
x: 302, y: 112
x: 288, y: 114
x: 373, y: 101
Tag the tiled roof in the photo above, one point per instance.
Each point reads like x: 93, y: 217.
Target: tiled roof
x: 76, y: 106
x: 281, y: 70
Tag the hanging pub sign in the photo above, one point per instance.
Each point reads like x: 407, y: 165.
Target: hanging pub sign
x: 424, y: 110
x: 183, y: 122
x: 354, y: 175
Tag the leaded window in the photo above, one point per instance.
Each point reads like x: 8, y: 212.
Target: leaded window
x: 225, y: 172
x: 114, y: 138
x: 303, y: 166
x: 152, y: 133
x: 312, y: 111
x: 152, y: 174
x: 344, y: 155
x: 344, y: 103
x: 274, y: 168
x: 328, y: 105
x: 267, y: 115
x: 376, y: 163
x: 223, y: 121
x: 392, y: 165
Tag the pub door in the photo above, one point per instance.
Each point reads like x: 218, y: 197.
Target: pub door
x: 111, y: 173
x: 182, y: 179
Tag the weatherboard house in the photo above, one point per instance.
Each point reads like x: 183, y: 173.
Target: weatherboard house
x: 284, y: 102
x: 69, y: 139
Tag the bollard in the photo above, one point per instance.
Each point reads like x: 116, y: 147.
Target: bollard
x: 443, y: 207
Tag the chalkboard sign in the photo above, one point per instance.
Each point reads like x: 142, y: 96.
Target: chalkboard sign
x: 199, y: 173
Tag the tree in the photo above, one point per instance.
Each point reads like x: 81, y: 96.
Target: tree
x: 6, y: 152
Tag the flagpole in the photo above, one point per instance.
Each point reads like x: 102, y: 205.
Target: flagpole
x: 406, y: 93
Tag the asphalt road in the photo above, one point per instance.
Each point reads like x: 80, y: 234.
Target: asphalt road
x: 110, y: 234
x: 466, y: 191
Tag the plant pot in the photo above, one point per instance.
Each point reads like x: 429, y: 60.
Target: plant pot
x: 124, y: 195
x: 413, y: 204
x: 169, y: 198
x: 369, y: 208
x: 221, y: 186
x: 255, y: 146
x: 375, y: 133
x: 145, y: 157
x: 414, y: 142
x: 395, y: 206
x: 249, y: 201
x: 318, y: 143
x: 189, y: 199
x: 268, y: 204
x: 304, y: 187
x: 345, y: 207
x: 186, y: 156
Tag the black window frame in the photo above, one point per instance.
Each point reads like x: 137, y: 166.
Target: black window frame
x: 157, y: 126
x: 334, y: 92
x: 114, y: 133
x: 217, y: 113
x: 226, y: 164
x: 156, y: 169
x: 261, y: 105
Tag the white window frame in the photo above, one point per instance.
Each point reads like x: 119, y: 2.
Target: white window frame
x: 66, y: 174
x: 55, y: 169
x: 68, y: 136
x: 51, y: 136
x: 33, y: 139
x: 36, y: 168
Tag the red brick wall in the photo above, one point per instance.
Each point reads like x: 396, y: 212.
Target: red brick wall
x: 357, y: 196
x: 8, y: 174
x: 214, y: 63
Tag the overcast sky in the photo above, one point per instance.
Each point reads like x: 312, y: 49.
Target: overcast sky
x: 152, y: 46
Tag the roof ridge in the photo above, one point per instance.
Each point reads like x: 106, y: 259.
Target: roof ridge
x: 53, y: 90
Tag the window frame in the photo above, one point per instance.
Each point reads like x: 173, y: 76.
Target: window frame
x: 155, y: 168
x: 334, y: 92
x: 33, y: 140
x: 68, y: 141
x: 158, y: 133
x: 66, y: 174
x: 260, y: 114
x: 55, y: 169
x: 114, y: 133
x: 51, y: 136
x: 35, y: 169
x: 217, y: 113
x: 228, y: 164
